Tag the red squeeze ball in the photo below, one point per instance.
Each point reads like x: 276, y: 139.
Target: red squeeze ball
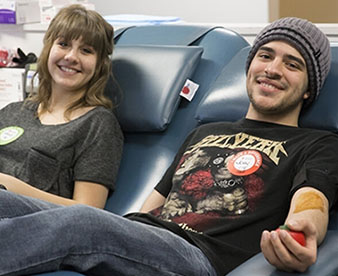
x: 297, y: 235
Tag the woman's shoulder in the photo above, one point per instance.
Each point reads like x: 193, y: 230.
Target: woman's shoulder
x: 100, y: 117
x: 19, y: 106
x: 12, y: 105
x: 101, y: 120
x: 101, y: 113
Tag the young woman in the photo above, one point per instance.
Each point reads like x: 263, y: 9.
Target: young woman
x: 64, y: 144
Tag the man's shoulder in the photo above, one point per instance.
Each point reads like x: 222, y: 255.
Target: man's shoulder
x: 259, y: 128
x: 219, y: 125
x: 319, y: 134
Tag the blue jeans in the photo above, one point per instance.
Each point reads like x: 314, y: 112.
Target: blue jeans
x: 36, y: 237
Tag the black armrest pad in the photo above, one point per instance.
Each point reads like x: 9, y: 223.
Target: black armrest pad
x: 326, y: 264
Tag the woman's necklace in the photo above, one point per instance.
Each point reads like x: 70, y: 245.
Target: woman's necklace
x: 53, y: 117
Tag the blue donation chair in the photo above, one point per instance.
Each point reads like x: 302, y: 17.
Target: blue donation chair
x: 155, y: 120
x: 153, y: 116
x: 151, y: 65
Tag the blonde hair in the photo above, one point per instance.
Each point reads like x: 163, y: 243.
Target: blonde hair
x: 71, y: 23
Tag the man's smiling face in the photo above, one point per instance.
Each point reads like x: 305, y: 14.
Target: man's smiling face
x: 277, y: 79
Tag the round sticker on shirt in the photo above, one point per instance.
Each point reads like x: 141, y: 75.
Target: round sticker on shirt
x: 10, y: 134
x: 245, y: 163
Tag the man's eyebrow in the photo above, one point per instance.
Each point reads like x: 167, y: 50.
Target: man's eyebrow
x: 267, y: 49
x: 290, y: 57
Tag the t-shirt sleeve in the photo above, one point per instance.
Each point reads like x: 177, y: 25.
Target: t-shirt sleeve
x: 165, y: 184
x: 101, y: 151
x: 320, y: 168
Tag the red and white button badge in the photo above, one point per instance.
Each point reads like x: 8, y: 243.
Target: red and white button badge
x: 189, y: 89
x: 245, y: 163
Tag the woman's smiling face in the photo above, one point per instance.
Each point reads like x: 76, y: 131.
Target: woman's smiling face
x: 71, y: 64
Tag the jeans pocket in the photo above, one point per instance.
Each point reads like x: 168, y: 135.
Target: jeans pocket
x: 40, y: 171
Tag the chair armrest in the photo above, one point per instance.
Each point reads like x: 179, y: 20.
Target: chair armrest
x: 326, y: 264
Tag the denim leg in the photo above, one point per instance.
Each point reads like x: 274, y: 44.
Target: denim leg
x: 94, y: 242
x: 13, y: 205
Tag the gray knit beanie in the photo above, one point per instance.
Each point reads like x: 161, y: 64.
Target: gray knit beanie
x: 311, y: 43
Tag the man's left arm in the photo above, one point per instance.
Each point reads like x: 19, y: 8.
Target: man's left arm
x: 308, y: 213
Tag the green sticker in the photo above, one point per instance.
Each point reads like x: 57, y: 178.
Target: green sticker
x: 10, y: 134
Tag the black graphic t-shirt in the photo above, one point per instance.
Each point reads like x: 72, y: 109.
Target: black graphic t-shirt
x: 229, y: 182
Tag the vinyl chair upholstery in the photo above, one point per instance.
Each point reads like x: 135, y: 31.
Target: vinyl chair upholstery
x: 154, y: 118
x: 152, y: 77
x: 148, y: 153
x: 227, y: 101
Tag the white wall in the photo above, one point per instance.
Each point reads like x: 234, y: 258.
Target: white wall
x: 247, y: 17
x: 29, y: 37
x: 195, y: 11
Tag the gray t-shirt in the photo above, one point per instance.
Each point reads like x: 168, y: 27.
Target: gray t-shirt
x: 52, y: 157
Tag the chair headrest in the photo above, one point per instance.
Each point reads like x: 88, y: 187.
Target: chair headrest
x: 151, y: 78
x: 227, y: 99
x: 323, y: 113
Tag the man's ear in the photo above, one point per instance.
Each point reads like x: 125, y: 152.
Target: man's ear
x: 306, y: 95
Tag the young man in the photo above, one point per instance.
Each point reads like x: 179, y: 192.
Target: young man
x: 219, y: 203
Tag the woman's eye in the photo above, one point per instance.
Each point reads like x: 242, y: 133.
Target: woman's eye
x: 62, y: 44
x: 87, y: 50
